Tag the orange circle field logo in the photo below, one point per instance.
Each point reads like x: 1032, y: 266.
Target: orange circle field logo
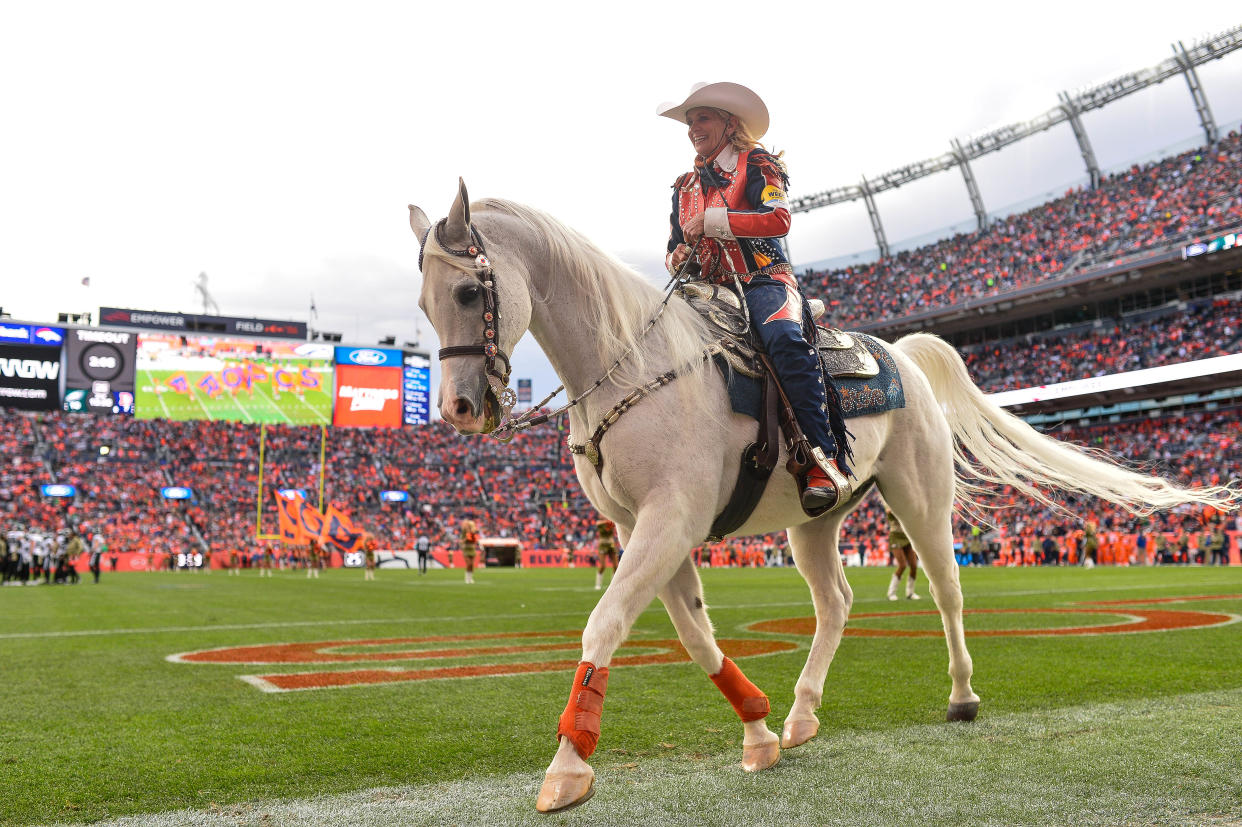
x: 521, y: 653
x: 1136, y: 620
x: 474, y: 648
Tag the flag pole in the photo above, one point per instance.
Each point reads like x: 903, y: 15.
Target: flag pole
x: 323, y: 450
x: 258, y: 520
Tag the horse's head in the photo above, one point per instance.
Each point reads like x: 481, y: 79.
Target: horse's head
x: 476, y: 296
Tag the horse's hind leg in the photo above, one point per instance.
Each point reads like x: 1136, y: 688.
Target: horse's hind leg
x: 683, y: 599
x: 818, y: 560
x: 924, y: 507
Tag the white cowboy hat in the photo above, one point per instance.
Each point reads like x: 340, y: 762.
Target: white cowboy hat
x: 731, y: 97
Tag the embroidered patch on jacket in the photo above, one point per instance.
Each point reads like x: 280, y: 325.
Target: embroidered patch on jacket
x: 772, y: 196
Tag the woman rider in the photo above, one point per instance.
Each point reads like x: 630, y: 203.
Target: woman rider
x: 729, y: 214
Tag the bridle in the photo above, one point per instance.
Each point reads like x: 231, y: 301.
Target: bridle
x: 505, y: 396
x: 497, y: 379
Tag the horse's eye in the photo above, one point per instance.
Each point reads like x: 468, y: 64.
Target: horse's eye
x: 469, y: 294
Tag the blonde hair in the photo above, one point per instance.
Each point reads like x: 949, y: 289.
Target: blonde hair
x: 741, y: 138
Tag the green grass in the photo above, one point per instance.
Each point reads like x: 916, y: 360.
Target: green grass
x: 153, y: 399
x: 98, y: 724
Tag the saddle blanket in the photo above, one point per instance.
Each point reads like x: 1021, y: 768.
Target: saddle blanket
x: 859, y: 397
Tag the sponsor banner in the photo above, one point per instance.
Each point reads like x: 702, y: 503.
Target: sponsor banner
x: 556, y: 558
x: 25, y: 334
x: 1118, y: 381
x: 30, y: 376
x: 523, y: 391
x: 367, y: 397
x: 99, y: 371
x: 368, y: 357
x: 415, y: 394
x: 198, y: 323
x: 1215, y: 245
x: 240, y: 380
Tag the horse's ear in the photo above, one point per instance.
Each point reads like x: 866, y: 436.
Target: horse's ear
x: 457, y: 228
x: 419, y: 222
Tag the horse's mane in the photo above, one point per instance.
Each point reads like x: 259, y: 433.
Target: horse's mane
x: 624, y: 302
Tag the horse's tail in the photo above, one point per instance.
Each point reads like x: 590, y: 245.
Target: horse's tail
x: 992, y: 446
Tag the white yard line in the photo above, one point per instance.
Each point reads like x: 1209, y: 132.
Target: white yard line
x: 237, y: 401
x: 580, y: 613
x: 301, y: 397
x: 194, y: 395
x: 275, y: 407
x: 155, y: 388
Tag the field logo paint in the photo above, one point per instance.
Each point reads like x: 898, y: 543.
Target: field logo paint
x: 374, y: 651
x: 1137, y: 620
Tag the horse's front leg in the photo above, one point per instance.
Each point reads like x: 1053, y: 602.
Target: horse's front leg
x: 819, y: 561
x: 660, y: 541
x: 683, y: 599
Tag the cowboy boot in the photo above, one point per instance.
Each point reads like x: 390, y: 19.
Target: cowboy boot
x: 826, y: 486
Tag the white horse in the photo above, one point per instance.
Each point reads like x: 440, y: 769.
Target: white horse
x: 670, y: 463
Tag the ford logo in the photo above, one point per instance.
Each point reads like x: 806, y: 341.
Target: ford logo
x: 368, y: 357
x: 47, y: 334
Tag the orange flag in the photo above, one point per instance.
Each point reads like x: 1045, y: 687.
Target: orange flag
x: 290, y: 519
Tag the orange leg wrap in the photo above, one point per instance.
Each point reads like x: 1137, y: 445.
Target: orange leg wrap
x: 749, y: 703
x: 580, y: 720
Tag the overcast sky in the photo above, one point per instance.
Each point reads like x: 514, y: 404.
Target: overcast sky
x: 274, y: 146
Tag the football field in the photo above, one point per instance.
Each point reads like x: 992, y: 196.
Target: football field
x: 156, y: 399
x: 1110, y: 696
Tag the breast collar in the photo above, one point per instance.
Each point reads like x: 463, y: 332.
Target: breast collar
x: 489, y: 350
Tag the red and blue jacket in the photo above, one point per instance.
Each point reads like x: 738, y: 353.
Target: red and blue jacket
x: 742, y: 198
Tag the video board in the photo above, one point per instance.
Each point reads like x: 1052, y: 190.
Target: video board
x: 416, y: 390
x: 240, y: 380
x: 99, y: 371
x: 367, y: 397
x: 30, y: 366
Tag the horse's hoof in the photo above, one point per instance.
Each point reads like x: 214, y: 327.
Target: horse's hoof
x: 756, y: 757
x: 798, y: 732
x: 963, y: 712
x: 565, y: 791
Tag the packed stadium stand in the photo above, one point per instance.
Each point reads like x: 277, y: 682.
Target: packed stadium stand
x: 1095, y: 283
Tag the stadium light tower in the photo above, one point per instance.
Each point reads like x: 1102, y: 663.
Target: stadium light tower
x: 1196, y: 92
x: 1069, y: 109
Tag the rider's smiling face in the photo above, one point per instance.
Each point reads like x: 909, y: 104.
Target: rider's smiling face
x: 707, y: 129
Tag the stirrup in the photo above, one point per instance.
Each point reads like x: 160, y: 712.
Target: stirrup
x: 823, y: 498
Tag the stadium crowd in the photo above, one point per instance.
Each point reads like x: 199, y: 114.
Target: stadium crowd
x: 525, y: 489
x: 1143, y: 207
x: 1212, y: 327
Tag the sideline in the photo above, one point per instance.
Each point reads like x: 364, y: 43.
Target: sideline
x: 844, y: 777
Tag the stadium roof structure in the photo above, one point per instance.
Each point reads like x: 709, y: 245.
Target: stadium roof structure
x: 961, y: 153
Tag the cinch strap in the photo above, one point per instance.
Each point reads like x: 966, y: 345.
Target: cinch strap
x: 748, y: 701
x: 580, y: 720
